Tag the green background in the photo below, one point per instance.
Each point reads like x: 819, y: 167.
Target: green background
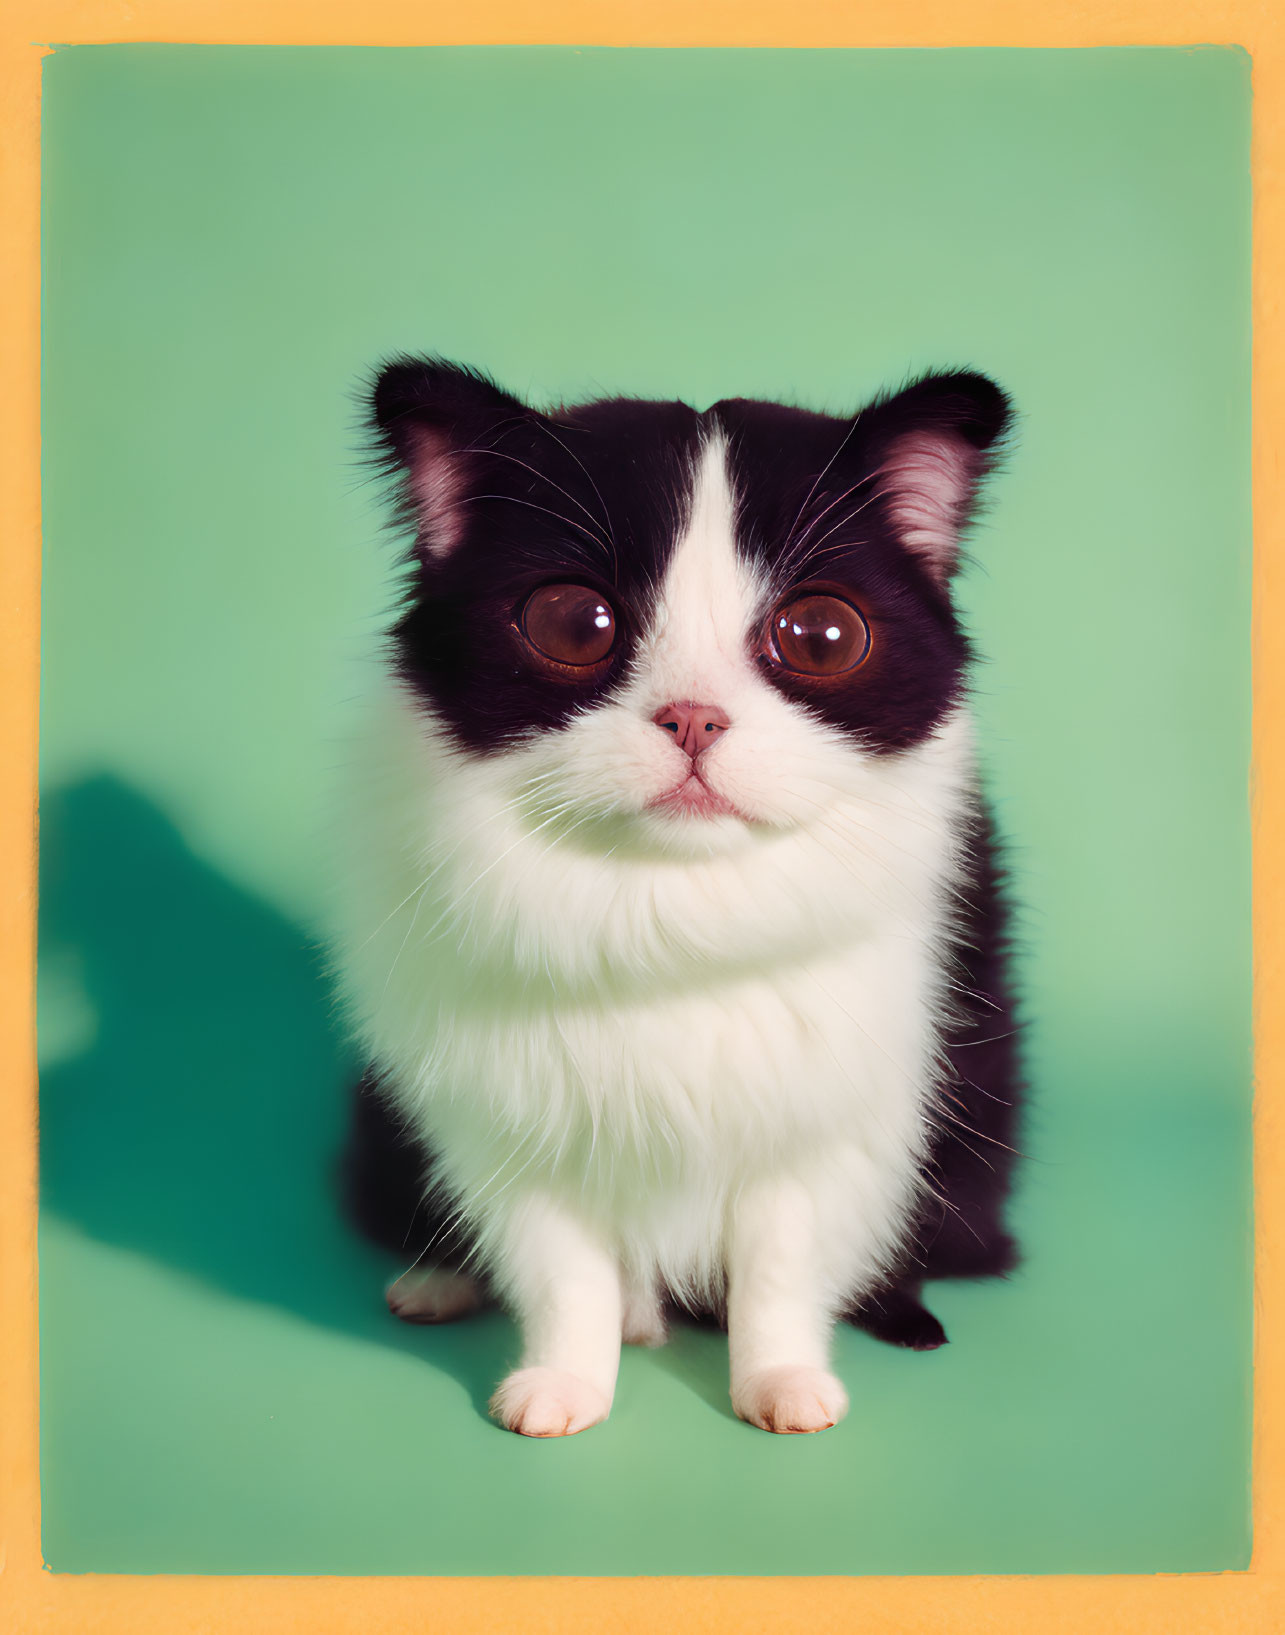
x: 232, y: 238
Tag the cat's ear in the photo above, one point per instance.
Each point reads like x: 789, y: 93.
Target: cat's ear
x: 933, y: 445
x: 430, y: 419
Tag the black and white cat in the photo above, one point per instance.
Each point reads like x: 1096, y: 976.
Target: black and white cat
x: 671, y: 927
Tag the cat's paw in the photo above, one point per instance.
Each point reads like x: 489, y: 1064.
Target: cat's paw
x: 791, y: 1400
x: 548, y: 1402
x: 897, y: 1318
x: 434, y: 1296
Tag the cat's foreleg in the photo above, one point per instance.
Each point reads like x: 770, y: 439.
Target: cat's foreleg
x: 564, y: 1289
x: 781, y: 1309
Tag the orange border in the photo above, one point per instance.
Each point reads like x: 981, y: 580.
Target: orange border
x: 38, y: 1600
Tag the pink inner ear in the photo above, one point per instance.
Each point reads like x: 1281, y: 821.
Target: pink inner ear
x: 438, y: 490
x: 928, y: 478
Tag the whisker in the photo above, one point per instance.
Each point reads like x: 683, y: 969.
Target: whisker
x: 492, y: 817
x: 549, y: 432
x: 801, y: 548
x: 512, y: 499
x: 847, y: 438
x: 498, y: 454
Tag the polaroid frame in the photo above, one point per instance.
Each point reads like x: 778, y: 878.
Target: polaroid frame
x: 40, y: 1600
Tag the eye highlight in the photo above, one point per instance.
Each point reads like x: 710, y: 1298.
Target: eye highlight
x: 815, y: 633
x: 570, y: 624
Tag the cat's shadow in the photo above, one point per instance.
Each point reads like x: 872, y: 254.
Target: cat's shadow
x: 201, y: 1120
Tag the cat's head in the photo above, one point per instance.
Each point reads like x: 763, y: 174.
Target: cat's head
x: 680, y: 628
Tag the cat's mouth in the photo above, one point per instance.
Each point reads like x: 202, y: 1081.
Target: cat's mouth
x: 693, y: 797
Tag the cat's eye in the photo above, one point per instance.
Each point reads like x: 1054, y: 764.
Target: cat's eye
x: 816, y: 634
x: 570, y: 624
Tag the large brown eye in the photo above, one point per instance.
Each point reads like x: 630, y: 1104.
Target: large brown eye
x: 570, y: 624
x: 819, y: 635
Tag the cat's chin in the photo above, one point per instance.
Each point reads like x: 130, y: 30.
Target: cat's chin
x: 680, y: 830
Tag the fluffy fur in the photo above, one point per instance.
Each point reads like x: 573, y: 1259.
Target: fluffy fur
x: 751, y: 1055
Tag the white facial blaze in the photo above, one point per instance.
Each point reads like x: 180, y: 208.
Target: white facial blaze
x: 708, y: 602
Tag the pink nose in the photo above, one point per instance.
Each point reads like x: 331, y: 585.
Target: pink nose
x: 695, y: 726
